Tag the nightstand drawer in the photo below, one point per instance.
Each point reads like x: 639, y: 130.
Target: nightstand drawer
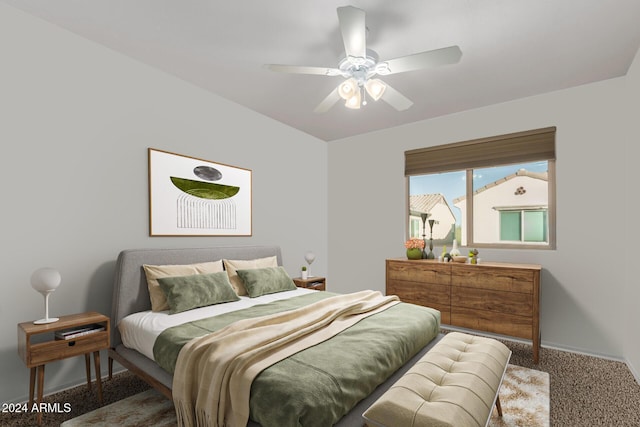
x: 42, y: 353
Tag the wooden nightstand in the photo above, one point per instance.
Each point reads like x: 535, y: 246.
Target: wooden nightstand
x: 315, y: 282
x: 37, y: 346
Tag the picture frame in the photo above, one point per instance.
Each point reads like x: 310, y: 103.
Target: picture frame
x: 189, y: 196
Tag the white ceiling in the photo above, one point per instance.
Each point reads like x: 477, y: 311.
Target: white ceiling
x: 511, y: 49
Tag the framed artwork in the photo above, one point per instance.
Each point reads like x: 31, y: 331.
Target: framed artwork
x: 194, y: 197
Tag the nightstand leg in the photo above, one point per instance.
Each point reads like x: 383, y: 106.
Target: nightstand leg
x: 96, y: 361
x: 32, y: 384
x: 110, y: 368
x: 87, y: 367
x: 40, y: 390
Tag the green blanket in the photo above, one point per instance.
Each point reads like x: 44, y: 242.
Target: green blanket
x: 319, y: 385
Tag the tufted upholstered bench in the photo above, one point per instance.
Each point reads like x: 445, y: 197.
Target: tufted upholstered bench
x: 455, y: 384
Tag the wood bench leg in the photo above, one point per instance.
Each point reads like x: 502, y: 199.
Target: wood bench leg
x: 498, y: 406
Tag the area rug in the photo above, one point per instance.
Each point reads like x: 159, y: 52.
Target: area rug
x: 524, y: 396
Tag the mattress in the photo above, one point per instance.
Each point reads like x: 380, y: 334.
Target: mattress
x: 140, y: 330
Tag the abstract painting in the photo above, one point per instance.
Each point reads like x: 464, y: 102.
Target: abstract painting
x: 194, y: 197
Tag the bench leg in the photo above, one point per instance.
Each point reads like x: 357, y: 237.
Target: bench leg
x: 498, y: 406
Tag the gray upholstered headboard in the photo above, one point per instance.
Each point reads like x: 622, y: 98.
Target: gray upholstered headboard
x: 130, y: 293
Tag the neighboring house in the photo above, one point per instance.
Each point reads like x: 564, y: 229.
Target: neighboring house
x: 512, y: 209
x: 438, y: 208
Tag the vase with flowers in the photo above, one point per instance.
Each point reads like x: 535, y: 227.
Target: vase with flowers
x: 414, y: 248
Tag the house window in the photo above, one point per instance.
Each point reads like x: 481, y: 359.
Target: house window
x: 493, y: 192
x: 414, y: 230
x: 523, y: 226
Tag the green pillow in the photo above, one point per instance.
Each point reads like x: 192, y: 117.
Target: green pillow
x: 197, y: 290
x: 262, y: 281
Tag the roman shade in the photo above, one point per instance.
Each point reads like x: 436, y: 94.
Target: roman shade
x: 520, y: 147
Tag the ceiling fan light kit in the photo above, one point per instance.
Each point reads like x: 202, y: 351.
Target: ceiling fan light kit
x: 360, y: 65
x: 375, y: 88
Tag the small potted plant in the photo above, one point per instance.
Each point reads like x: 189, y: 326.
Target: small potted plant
x: 414, y: 248
x: 304, y: 272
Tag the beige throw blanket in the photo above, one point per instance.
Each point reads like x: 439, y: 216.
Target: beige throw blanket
x: 213, y: 375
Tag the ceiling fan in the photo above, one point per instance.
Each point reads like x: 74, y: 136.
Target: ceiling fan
x: 361, y: 65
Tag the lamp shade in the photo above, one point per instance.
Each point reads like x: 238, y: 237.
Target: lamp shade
x: 348, y: 89
x: 45, y: 279
x: 354, y: 101
x: 375, y: 88
x: 309, y: 257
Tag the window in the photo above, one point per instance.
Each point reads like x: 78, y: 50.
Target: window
x: 523, y: 226
x: 492, y: 192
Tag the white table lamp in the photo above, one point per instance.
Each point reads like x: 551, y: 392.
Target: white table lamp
x: 45, y: 280
x: 309, y: 257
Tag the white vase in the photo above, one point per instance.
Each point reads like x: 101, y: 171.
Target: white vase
x: 305, y: 275
x: 454, y: 250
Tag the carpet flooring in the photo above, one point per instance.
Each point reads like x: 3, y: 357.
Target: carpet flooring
x: 584, y: 391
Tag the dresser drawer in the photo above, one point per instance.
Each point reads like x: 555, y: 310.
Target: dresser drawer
x: 418, y: 271
x: 484, y: 299
x: 425, y: 294
x: 502, y: 279
x: 491, y: 321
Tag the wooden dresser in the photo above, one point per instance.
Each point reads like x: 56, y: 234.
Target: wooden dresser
x: 493, y: 297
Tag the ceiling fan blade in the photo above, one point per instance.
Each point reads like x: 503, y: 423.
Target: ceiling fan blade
x: 297, y: 69
x: 417, y: 61
x: 396, y: 99
x: 353, y: 29
x: 328, y: 102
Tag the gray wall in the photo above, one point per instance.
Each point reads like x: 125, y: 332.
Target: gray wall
x: 586, y: 281
x: 77, y: 120
x: 632, y: 232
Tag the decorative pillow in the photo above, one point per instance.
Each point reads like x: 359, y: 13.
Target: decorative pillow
x: 232, y: 265
x: 197, y: 290
x: 154, y: 272
x: 261, y: 281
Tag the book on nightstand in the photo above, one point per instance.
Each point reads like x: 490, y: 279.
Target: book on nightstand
x: 71, y: 333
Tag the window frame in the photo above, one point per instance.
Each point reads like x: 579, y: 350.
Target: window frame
x: 520, y: 147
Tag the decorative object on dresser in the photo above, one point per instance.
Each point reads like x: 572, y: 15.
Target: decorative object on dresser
x: 57, y: 341
x: 494, y: 297
x: 315, y: 282
x: 304, y: 273
x: 45, y: 280
x: 414, y: 248
x: 424, y: 217
x: 430, y: 255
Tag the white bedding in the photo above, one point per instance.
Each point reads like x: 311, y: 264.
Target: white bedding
x: 140, y: 330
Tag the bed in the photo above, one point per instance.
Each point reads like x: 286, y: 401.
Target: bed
x: 131, y: 298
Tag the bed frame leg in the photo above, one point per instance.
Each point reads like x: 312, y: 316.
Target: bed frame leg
x: 498, y: 406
